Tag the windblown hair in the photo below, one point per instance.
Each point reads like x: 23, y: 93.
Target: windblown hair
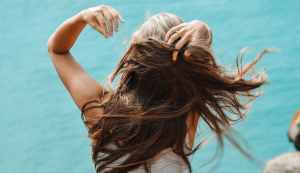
x: 147, y: 111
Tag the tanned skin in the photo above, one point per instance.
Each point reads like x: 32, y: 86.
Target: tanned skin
x: 104, y: 19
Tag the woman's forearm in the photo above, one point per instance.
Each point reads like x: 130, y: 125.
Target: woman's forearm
x: 66, y: 34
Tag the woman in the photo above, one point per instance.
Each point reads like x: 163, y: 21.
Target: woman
x: 169, y: 80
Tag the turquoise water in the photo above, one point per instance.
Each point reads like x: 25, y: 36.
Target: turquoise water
x: 41, y: 129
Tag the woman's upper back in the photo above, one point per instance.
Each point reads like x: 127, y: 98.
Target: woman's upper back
x: 166, y: 163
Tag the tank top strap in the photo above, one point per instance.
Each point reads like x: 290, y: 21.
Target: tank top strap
x: 83, y: 109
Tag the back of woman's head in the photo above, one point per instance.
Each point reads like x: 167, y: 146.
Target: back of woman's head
x: 150, y: 106
x: 157, y: 27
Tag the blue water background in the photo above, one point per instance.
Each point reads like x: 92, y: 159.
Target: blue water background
x: 40, y: 126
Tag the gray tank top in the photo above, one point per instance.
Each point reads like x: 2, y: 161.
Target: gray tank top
x: 169, y: 162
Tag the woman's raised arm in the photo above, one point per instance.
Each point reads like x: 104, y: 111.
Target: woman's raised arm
x: 80, y: 85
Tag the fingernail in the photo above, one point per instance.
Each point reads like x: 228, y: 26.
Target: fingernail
x: 185, y: 53
x: 117, y: 29
x: 188, y: 53
x: 174, y: 58
x: 111, y: 34
x: 106, y: 35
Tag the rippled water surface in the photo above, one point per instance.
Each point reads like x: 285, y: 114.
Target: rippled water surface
x: 41, y: 129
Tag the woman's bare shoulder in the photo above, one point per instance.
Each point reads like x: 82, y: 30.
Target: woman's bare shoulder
x: 92, y: 110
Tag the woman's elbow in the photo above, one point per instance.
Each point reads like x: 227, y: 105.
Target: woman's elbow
x: 49, y: 44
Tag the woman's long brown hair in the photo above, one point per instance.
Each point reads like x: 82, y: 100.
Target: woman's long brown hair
x: 147, y: 111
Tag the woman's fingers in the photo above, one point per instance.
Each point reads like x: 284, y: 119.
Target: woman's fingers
x: 183, y: 41
x: 174, y: 55
x: 109, y: 20
x: 188, y: 32
x: 121, y: 18
x: 104, y: 18
x: 187, y: 53
x: 176, y: 35
x: 111, y: 15
x: 180, y: 44
x: 115, y: 18
x: 173, y: 38
x: 116, y: 15
x: 97, y: 27
x: 102, y: 24
x: 171, y: 31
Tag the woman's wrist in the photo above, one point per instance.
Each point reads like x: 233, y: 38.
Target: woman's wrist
x: 81, y: 16
x: 66, y: 34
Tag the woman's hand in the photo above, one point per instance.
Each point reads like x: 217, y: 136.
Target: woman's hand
x: 187, y: 32
x: 96, y: 16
